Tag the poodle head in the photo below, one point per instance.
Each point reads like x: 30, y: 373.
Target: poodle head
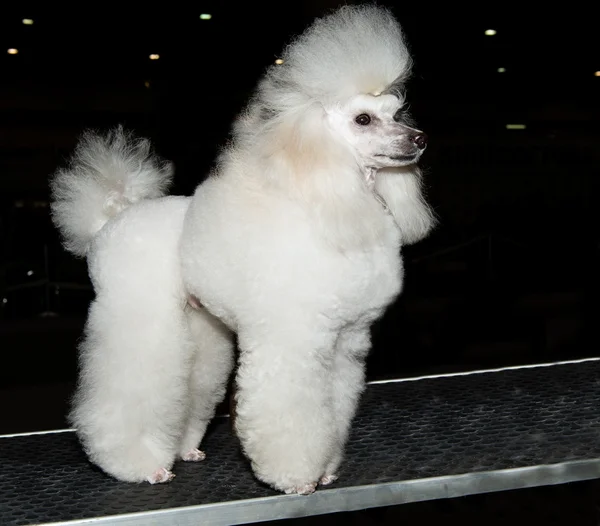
x: 350, y: 67
x: 378, y: 129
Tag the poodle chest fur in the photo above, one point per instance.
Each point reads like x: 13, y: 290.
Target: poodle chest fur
x: 268, y: 268
x: 365, y: 283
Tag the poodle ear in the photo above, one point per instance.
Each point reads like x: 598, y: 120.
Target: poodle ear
x: 304, y: 143
x: 401, y: 189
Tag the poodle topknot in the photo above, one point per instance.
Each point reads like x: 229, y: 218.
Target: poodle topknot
x: 355, y: 50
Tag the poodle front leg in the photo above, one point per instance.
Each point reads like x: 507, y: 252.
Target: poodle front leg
x: 213, y: 362
x: 284, y: 412
x: 347, y: 384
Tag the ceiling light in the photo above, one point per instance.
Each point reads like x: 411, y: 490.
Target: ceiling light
x: 27, y: 21
x: 515, y: 126
x: 490, y: 32
x: 597, y: 74
x: 501, y: 70
x: 279, y: 61
x: 205, y: 16
x: 12, y: 51
x: 154, y: 56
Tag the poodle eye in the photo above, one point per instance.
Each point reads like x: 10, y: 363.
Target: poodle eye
x: 363, y: 119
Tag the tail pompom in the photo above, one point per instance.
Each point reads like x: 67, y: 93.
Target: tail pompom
x: 105, y: 175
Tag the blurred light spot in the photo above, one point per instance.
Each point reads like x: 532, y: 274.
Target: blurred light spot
x: 501, y: 70
x: 154, y: 56
x: 5, y: 300
x: 490, y: 32
x: 597, y: 74
x: 30, y: 272
x: 27, y: 21
x: 279, y: 61
x: 147, y: 84
x: 515, y: 126
x: 12, y: 51
x: 205, y: 16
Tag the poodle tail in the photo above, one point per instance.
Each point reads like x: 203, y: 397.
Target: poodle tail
x: 106, y: 174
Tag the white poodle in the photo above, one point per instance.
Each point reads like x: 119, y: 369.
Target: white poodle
x: 293, y: 243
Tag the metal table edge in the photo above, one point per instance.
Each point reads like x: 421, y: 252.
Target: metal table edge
x: 355, y: 498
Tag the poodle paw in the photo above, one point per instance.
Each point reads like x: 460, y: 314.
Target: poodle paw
x: 307, y: 489
x: 160, y: 476
x: 325, y: 480
x: 194, y: 455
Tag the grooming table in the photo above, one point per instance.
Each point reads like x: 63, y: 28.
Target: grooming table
x: 414, y: 439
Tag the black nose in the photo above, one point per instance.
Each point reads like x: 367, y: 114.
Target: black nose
x: 420, y: 140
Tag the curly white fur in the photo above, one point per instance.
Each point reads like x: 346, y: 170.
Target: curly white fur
x: 145, y: 394
x: 357, y: 49
x: 293, y: 242
x: 289, y: 244
x: 106, y: 175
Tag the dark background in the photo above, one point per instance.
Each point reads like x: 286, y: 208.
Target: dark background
x: 509, y: 277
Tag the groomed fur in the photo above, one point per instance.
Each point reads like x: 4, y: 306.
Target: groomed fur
x: 151, y: 368
x: 402, y: 191
x: 356, y: 49
x: 106, y: 174
x: 282, y: 132
x: 288, y: 243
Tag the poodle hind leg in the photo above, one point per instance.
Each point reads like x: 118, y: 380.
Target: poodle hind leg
x: 283, y: 412
x: 131, y: 400
x: 213, y: 362
x: 347, y: 384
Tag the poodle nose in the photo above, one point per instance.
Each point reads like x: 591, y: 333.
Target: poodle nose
x: 420, y: 140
